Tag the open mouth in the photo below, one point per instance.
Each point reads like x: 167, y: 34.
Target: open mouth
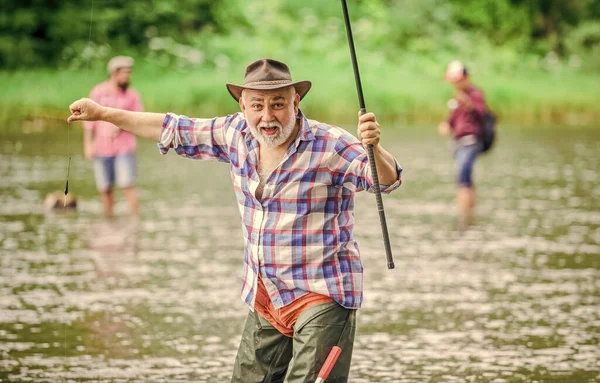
x: 270, y: 131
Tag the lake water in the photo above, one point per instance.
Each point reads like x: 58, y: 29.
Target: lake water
x: 513, y: 299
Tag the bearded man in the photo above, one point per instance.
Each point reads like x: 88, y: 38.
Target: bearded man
x: 294, y: 180
x: 111, y: 149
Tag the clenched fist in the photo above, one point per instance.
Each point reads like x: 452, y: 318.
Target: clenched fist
x: 86, y: 110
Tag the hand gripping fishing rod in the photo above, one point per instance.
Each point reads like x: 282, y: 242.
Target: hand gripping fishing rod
x: 363, y: 110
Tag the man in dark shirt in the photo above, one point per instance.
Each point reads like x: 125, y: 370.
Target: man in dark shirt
x: 465, y: 122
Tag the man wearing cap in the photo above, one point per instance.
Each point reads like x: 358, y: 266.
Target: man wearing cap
x: 465, y: 122
x: 112, y: 149
x: 294, y: 180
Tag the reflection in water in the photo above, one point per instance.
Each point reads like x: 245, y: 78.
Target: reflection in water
x: 111, y: 243
x: 157, y: 298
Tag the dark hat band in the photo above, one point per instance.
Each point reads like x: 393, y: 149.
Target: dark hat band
x: 274, y: 82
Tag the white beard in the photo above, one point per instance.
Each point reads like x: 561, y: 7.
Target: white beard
x: 275, y: 140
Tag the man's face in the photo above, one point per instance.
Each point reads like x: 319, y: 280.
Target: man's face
x: 123, y: 77
x: 462, y: 84
x: 271, y: 114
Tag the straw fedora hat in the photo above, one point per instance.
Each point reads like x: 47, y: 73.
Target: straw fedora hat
x: 267, y: 74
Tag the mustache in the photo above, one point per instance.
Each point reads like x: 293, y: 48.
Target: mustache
x: 272, y: 124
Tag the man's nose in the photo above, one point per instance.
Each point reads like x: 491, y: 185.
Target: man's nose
x: 268, y: 115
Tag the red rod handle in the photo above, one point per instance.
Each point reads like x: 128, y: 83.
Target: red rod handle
x: 329, y: 363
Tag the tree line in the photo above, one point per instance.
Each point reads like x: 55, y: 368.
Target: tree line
x: 51, y: 33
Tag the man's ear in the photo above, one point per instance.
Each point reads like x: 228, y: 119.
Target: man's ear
x: 242, y: 105
x: 296, y: 104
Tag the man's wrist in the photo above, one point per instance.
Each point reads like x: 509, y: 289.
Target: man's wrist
x: 377, y: 149
x: 104, y: 113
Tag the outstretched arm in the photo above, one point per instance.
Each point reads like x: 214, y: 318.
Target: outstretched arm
x: 142, y: 124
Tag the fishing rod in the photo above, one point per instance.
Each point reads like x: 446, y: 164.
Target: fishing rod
x: 336, y: 350
x: 363, y: 110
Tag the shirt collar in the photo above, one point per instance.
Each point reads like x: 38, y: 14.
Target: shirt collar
x: 304, y: 133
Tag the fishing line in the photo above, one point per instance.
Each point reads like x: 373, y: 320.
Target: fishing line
x: 69, y: 149
x: 87, y: 72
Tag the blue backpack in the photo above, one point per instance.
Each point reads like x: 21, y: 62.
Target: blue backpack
x: 488, y: 131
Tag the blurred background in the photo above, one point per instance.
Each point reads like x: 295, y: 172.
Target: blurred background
x: 156, y: 297
x: 537, y: 60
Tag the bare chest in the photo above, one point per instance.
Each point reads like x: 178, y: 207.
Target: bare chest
x: 267, y: 163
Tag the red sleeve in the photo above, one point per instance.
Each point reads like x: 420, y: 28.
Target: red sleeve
x: 452, y: 118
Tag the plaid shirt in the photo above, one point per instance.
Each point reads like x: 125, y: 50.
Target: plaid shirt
x: 299, y: 235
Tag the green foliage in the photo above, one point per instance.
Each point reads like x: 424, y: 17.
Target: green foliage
x: 394, y: 93
x: 40, y: 33
x: 584, y: 42
x: 496, y: 34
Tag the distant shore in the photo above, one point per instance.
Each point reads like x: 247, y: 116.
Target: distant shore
x: 394, y: 94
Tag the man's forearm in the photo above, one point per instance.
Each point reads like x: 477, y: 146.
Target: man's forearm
x: 386, y: 166
x: 142, y: 124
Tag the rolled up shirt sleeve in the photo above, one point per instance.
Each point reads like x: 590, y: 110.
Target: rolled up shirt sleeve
x: 354, y: 173
x: 199, y: 139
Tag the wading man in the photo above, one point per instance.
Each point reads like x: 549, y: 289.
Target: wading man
x: 294, y: 180
x: 111, y: 149
x: 465, y: 123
